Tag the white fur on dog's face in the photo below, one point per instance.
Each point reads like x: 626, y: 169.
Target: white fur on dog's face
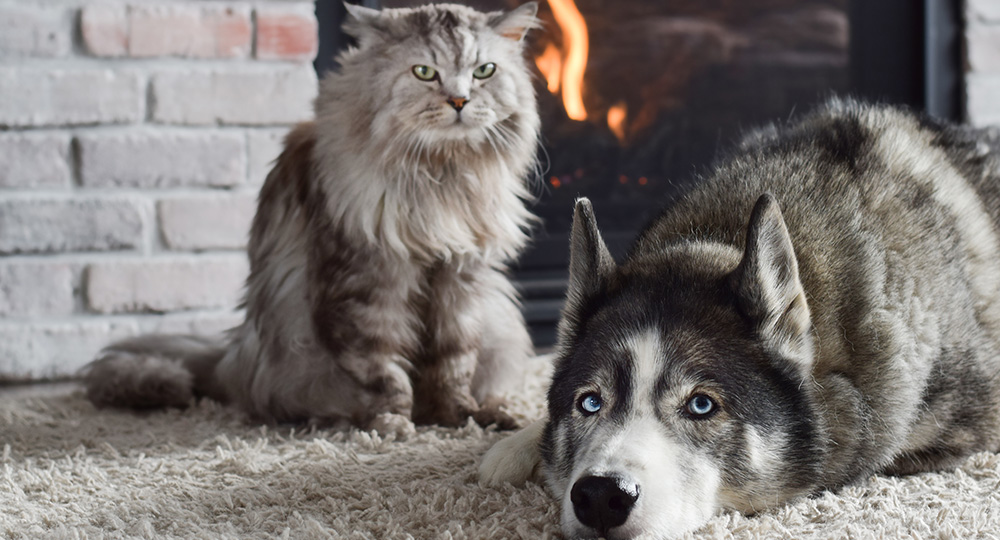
x: 680, y: 467
x: 678, y: 486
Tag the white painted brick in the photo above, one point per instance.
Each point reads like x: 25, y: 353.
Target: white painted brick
x: 216, y: 221
x: 983, y: 10
x: 42, y: 288
x: 34, y: 160
x: 202, y: 323
x: 166, y: 284
x: 32, y: 351
x: 34, y: 30
x: 60, y: 225
x: 34, y: 96
x: 263, y: 148
x: 152, y: 159
x: 189, y: 30
x: 286, y: 32
x: 259, y: 95
x: 104, y: 29
x: 983, y: 99
x: 983, y: 46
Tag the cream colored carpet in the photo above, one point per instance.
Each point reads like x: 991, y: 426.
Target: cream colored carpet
x: 70, y: 471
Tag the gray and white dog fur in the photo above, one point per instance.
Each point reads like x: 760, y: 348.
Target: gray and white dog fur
x: 377, y: 291
x: 853, y: 331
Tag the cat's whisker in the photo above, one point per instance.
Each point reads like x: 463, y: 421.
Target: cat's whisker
x: 394, y: 148
x: 507, y: 137
x: 409, y: 158
x: 490, y: 131
x: 428, y: 148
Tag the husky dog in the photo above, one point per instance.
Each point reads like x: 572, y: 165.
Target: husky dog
x: 744, y: 355
x: 378, y: 291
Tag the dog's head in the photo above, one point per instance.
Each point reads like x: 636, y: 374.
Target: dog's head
x: 680, y: 386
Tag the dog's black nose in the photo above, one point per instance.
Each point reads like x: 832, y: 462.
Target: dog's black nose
x: 603, y: 502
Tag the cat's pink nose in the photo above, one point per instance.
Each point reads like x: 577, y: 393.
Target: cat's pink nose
x: 458, y: 102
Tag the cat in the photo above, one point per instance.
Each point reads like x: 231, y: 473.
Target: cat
x: 378, y: 293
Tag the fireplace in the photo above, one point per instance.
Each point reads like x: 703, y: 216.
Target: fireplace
x: 637, y: 95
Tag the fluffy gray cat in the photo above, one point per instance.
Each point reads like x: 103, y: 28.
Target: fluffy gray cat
x: 378, y: 290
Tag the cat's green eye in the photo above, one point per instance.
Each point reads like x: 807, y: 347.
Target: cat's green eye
x: 485, y: 71
x: 425, y: 73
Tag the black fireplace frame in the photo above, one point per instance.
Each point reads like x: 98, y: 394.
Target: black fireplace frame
x: 901, y: 52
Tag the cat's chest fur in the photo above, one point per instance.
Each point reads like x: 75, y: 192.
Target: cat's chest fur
x: 464, y: 206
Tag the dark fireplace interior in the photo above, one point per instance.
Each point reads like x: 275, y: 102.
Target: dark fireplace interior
x: 636, y: 96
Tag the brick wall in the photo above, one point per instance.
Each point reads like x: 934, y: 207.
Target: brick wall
x: 982, y: 78
x: 133, y: 138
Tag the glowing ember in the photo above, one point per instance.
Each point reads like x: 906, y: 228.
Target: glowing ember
x: 576, y: 44
x: 616, y: 120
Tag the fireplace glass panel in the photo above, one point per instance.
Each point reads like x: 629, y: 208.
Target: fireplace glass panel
x: 636, y: 96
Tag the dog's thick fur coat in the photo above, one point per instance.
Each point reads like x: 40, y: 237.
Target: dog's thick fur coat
x: 830, y: 295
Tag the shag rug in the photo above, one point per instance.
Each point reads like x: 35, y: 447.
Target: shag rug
x: 70, y: 471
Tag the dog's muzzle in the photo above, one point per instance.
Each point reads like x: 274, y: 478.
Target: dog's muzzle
x: 603, y: 502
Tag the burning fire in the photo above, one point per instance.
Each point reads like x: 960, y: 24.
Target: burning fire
x: 568, y: 70
x: 564, y: 70
x: 550, y: 64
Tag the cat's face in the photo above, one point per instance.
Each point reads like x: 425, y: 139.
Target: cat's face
x: 444, y: 72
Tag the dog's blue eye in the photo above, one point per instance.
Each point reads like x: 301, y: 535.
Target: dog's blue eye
x: 700, y: 405
x: 590, y: 403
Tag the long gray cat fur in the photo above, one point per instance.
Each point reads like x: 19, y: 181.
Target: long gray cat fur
x: 378, y: 293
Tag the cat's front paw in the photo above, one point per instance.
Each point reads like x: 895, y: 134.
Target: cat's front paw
x: 492, y: 414
x: 397, y: 425
x: 450, y: 410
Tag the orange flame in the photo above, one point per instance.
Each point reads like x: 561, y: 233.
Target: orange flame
x: 577, y: 46
x: 616, y: 120
x: 550, y: 64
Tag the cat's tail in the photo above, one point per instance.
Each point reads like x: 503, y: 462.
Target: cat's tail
x: 155, y: 371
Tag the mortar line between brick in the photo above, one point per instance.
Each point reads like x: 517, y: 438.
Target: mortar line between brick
x: 98, y: 257
x: 77, y: 46
x: 75, y: 163
x: 92, y: 317
x: 118, y: 193
x: 253, y: 33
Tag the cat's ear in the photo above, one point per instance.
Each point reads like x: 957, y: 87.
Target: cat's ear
x: 363, y: 23
x: 515, y: 24
x: 362, y: 13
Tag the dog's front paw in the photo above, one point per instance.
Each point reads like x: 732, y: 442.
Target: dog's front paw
x: 397, y: 425
x: 515, y: 459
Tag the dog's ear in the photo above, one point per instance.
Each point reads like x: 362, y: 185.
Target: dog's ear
x: 590, y: 266
x: 767, y: 284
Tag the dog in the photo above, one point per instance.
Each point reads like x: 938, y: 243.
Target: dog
x: 820, y: 307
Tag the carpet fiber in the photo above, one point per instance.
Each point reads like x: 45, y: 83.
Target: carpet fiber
x: 70, y: 471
